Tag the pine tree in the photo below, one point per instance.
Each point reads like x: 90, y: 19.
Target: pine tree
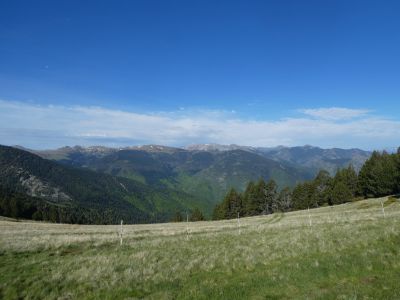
x: 340, y: 193
x: 15, y: 208
x: 303, y: 195
x: 352, y: 180
x: 177, y: 217
x: 284, y: 202
x: 254, y: 198
x: 322, y: 183
x: 270, y: 197
x: 379, y: 175
x: 218, y: 213
x: 196, y: 215
x: 397, y: 175
x: 367, y: 177
x: 230, y: 206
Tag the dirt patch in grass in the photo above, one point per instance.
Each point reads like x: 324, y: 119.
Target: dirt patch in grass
x: 369, y: 280
x: 365, y: 205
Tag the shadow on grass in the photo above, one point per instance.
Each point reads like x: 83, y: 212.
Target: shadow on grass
x: 392, y: 199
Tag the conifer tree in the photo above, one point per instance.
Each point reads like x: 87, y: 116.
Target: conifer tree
x: 352, y: 180
x: 177, y: 217
x: 340, y: 193
x: 270, y: 197
x: 196, y: 215
x: 322, y: 184
x: 379, y: 175
x: 232, y: 204
x: 397, y: 167
x: 254, y: 198
x: 367, y: 176
x: 302, y: 195
x: 218, y: 213
x: 284, y: 202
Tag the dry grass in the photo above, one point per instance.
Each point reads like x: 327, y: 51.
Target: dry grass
x: 349, y: 252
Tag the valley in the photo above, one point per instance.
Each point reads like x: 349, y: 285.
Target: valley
x: 208, y: 171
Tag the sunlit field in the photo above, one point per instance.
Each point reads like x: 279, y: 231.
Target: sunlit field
x: 349, y: 251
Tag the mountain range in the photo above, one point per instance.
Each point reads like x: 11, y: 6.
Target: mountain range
x: 81, y: 195
x: 151, y: 182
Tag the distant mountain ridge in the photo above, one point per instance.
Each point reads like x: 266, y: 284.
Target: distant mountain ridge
x: 207, y: 171
x: 310, y: 157
x: 315, y: 158
x: 218, y: 147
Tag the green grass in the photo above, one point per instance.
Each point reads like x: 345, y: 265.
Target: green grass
x: 347, y: 253
x: 391, y: 200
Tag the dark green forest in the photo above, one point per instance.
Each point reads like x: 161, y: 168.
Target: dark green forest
x: 88, y: 197
x: 379, y: 176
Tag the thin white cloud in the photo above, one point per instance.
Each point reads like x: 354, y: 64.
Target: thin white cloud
x: 335, y: 113
x: 52, y: 126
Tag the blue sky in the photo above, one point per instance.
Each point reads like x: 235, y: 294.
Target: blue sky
x: 260, y: 73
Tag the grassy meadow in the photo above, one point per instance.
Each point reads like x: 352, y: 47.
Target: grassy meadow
x: 350, y: 251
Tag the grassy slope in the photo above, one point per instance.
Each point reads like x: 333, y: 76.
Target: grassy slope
x: 350, y: 252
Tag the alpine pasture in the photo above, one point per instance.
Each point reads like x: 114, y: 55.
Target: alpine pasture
x: 349, y: 251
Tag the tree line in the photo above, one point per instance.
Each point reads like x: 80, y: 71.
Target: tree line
x: 19, y: 205
x: 193, y: 216
x: 379, y: 176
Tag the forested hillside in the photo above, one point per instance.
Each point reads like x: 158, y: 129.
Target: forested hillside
x: 209, y: 171
x: 316, y: 159
x: 379, y: 176
x: 33, y: 187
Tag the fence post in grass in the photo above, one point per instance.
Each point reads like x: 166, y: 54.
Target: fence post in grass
x: 383, y: 209
x: 187, y: 225
x: 309, y: 217
x: 120, y: 233
x: 238, y: 222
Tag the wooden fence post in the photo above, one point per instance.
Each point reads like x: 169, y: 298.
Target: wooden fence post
x: 383, y: 209
x: 120, y: 233
x: 238, y: 222
x: 187, y: 225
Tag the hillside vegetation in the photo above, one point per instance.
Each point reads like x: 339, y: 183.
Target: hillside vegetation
x: 37, y: 188
x: 348, y: 251
x: 209, y: 171
x: 379, y: 176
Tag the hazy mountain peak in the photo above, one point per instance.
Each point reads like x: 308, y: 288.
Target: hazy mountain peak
x: 216, y: 147
x: 154, y: 148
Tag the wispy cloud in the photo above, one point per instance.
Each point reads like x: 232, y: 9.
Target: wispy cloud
x: 335, y: 113
x: 40, y: 126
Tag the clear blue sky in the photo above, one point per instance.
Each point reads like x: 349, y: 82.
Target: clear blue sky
x: 264, y: 60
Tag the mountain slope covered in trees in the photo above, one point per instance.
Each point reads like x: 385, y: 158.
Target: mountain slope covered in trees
x: 316, y: 159
x: 208, y: 171
x: 306, y: 157
x: 379, y: 176
x: 33, y: 187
